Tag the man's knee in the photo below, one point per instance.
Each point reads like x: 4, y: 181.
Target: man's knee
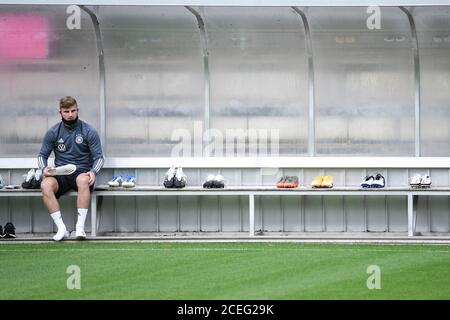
x: 48, y: 186
x: 83, y: 182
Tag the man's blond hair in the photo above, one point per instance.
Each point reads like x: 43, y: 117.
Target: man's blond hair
x: 67, y: 102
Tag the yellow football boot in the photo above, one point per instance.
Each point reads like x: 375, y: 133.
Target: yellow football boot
x: 317, y: 182
x: 327, y: 182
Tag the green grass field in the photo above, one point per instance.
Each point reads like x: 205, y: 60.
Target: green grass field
x: 223, y: 271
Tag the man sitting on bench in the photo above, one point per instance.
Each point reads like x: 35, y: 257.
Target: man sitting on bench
x: 78, y: 160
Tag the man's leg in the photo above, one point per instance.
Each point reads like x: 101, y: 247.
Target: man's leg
x: 84, y: 196
x: 49, y: 187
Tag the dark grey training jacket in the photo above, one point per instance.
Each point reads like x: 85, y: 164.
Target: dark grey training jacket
x: 78, y: 144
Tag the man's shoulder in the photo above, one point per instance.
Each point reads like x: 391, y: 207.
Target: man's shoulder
x: 87, y: 126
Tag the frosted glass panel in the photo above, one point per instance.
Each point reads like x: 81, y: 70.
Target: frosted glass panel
x: 364, y: 83
x: 154, y: 79
x: 259, y: 80
x: 42, y: 60
x: 433, y: 29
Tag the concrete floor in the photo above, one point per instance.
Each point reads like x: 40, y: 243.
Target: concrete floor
x: 309, y: 237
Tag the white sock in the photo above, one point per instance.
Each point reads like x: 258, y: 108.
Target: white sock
x: 58, y: 219
x: 82, y: 213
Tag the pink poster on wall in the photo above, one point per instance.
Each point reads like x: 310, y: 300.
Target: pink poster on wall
x: 24, y: 36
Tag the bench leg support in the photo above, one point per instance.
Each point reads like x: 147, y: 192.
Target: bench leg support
x: 251, y: 206
x: 410, y: 215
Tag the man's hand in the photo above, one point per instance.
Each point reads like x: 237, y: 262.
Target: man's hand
x: 47, y: 172
x: 92, y: 178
